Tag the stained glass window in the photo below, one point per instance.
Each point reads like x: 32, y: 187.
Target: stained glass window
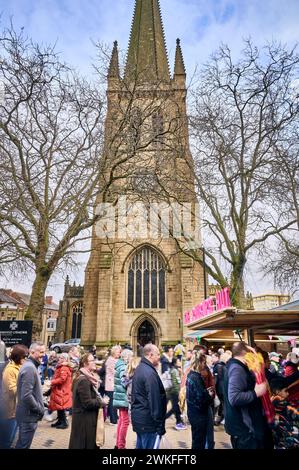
x: 146, y: 280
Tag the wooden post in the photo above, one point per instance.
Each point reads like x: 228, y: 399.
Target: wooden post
x: 250, y: 337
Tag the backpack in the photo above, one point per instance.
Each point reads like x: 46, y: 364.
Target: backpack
x: 178, y: 350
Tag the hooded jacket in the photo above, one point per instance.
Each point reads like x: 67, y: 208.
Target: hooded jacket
x: 61, y: 388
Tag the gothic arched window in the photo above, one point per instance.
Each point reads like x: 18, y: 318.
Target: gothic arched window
x: 77, y: 319
x: 146, y: 280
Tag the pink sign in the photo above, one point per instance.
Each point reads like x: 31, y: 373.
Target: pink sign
x: 208, y: 306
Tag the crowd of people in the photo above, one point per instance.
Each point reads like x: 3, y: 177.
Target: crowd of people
x: 200, y: 387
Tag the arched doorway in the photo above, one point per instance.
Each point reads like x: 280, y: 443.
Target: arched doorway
x: 146, y: 333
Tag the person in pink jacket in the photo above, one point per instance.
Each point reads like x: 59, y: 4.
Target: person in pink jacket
x: 109, y: 381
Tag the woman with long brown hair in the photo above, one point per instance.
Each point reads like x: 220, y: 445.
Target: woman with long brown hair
x: 199, y: 399
x: 86, y: 404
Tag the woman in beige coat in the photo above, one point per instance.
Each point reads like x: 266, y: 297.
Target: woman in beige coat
x: 9, y: 389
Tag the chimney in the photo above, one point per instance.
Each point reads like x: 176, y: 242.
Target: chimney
x: 49, y: 299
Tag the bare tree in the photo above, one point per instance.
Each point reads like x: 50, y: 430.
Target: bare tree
x: 282, y: 262
x: 57, y: 163
x: 240, y: 113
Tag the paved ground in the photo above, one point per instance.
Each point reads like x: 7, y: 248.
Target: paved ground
x: 51, y: 438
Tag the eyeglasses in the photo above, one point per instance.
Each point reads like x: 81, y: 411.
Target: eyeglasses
x: 91, y: 360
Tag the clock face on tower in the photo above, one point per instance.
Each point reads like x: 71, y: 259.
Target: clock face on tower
x: 145, y: 182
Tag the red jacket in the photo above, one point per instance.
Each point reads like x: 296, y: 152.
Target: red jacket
x: 61, y: 388
x: 289, y: 369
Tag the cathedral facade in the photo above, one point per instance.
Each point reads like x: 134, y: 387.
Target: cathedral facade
x: 137, y: 288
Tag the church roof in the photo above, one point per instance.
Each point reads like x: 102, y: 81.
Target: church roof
x: 147, y: 54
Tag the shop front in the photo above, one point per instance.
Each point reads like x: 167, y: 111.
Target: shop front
x: 271, y: 330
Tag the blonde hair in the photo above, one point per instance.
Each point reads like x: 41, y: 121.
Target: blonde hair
x: 126, y: 355
x: 198, y: 361
x: 114, y: 349
x: 133, y: 364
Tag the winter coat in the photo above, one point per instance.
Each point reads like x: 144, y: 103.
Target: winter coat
x: 9, y: 390
x: 148, y: 400
x: 61, y: 388
x: 243, y: 409
x: 219, y: 375
x: 110, y: 372
x: 30, y: 405
x: 165, y: 363
x: 289, y: 370
x: 120, y: 399
x: 86, y: 404
x: 197, y: 396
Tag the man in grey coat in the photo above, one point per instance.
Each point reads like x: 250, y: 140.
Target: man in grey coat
x: 30, y: 407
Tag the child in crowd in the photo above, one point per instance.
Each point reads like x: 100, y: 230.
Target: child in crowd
x: 286, y: 423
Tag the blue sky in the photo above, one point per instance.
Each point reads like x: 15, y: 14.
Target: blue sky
x: 200, y: 24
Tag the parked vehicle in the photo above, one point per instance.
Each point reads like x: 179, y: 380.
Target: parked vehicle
x: 66, y: 346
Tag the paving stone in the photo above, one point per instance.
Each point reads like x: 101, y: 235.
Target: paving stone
x: 51, y: 438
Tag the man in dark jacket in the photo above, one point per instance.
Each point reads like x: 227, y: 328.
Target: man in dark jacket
x: 167, y: 359
x: 30, y: 407
x: 148, y: 409
x: 244, y: 419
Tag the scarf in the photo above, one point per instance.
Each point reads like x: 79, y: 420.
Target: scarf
x: 91, y: 376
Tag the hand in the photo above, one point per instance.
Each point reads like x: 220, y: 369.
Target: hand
x: 105, y: 400
x: 260, y: 389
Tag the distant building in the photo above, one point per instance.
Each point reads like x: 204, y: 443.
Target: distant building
x: 11, y: 308
x: 268, y: 301
x: 50, y: 315
x: 70, y: 312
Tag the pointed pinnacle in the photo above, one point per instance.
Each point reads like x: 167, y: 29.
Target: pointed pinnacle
x: 114, y: 64
x: 179, y: 66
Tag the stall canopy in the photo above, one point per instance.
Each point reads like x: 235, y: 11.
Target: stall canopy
x: 275, y: 322
x: 200, y: 333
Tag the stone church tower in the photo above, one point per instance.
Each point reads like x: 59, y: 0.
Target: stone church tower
x: 138, y: 288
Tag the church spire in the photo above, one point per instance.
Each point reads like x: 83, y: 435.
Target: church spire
x: 114, y: 65
x: 147, y: 55
x: 179, y: 67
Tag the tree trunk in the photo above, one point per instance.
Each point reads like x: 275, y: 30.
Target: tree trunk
x: 237, y: 286
x: 37, y: 300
